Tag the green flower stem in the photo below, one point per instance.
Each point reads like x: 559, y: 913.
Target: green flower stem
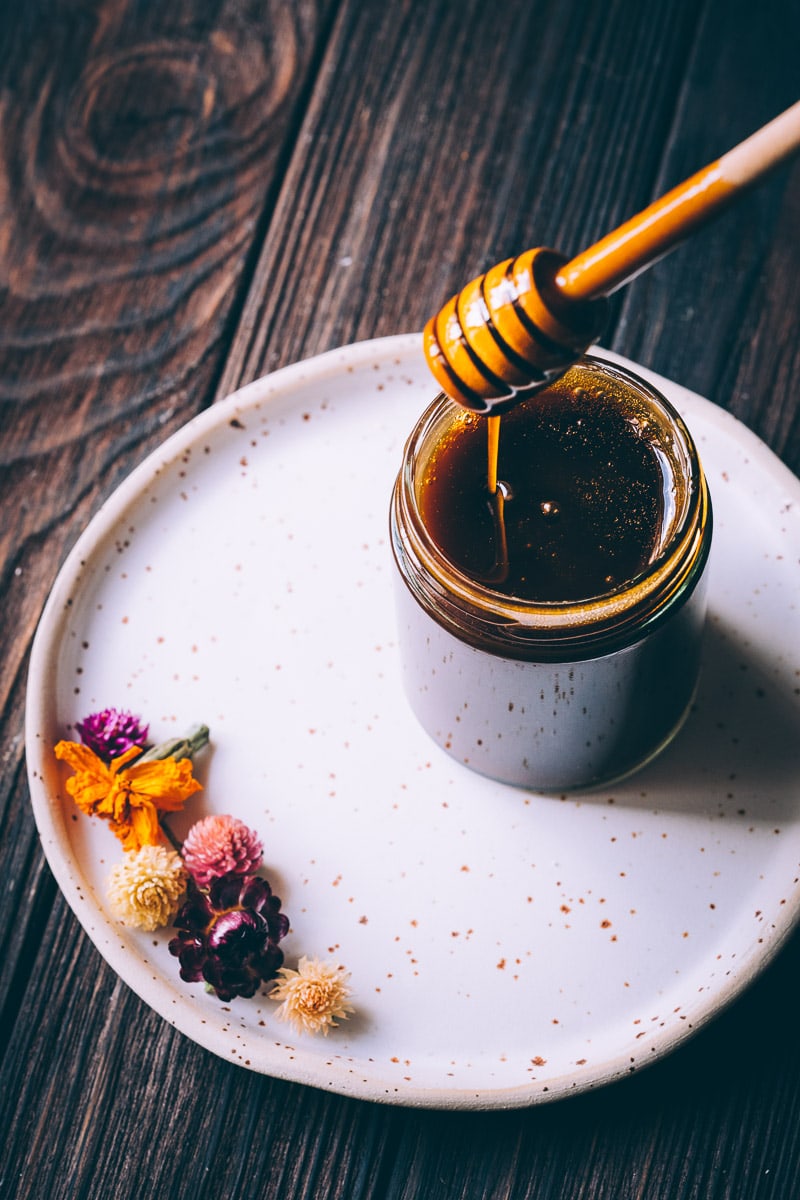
x: 178, y: 748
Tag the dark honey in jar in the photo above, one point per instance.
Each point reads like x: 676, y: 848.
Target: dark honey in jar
x: 581, y: 490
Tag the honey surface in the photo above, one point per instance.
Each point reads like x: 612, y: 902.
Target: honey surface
x: 579, y: 498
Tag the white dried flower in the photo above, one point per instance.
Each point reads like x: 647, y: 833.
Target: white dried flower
x: 313, y: 995
x: 144, y: 890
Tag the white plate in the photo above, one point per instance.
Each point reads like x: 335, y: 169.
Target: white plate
x: 505, y: 947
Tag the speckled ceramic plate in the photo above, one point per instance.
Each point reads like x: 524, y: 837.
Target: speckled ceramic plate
x: 506, y: 948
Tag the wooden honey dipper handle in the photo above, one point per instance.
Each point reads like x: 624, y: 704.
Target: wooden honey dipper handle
x: 522, y: 324
x: 626, y: 251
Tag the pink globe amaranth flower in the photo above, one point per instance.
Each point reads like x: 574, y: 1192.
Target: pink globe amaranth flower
x: 218, y: 846
x: 228, y: 936
x: 111, y: 732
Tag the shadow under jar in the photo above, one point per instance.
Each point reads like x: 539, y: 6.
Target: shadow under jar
x: 550, y: 630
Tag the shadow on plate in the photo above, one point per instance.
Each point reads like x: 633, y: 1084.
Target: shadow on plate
x: 738, y: 754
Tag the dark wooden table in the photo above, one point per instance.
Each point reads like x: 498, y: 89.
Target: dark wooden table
x: 196, y: 193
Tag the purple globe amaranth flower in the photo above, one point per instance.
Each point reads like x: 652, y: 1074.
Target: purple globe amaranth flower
x: 228, y: 936
x: 111, y: 732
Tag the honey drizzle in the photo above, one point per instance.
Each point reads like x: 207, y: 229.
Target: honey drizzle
x: 497, y: 504
x: 493, y: 442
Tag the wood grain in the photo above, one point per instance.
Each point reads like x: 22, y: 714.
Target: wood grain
x: 443, y: 160
x: 195, y: 193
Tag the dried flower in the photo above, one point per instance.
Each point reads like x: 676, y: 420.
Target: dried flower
x: 229, y: 924
x: 144, y: 890
x: 111, y: 732
x: 313, y: 995
x: 221, y: 845
x: 229, y: 935
x: 129, y: 798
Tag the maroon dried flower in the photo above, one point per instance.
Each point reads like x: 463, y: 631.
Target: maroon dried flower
x: 221, y: 845
x: 111, y: 732
x: 229, y: 935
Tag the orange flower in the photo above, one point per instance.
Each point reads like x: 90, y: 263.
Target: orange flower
x: 131, y: 798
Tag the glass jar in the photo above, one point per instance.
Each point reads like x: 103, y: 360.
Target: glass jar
x: 556, y: 694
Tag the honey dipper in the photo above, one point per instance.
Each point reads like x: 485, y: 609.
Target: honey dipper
x: 520, y: 326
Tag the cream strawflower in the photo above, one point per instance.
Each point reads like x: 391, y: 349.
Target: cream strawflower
x: 313, y: 995
x: 144, y: 890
